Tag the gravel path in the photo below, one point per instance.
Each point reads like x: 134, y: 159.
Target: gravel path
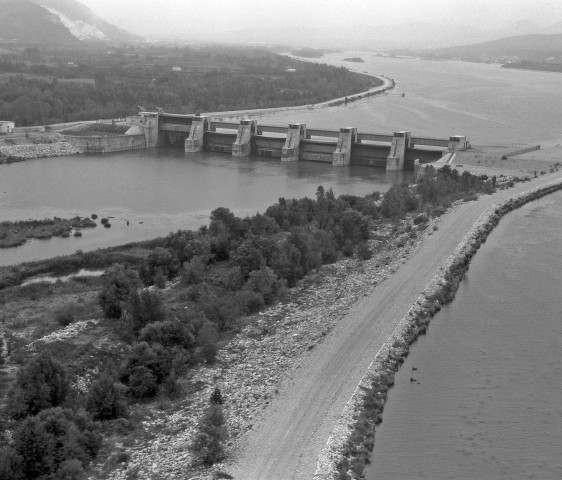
x: 286, y: 443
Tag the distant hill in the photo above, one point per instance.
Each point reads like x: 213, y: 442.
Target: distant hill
x: 55, y: 22
x: 535, y: 48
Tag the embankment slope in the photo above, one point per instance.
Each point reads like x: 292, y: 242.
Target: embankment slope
x: 288, y: 440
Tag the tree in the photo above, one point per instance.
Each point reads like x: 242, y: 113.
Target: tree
x: 39, y: 385
x: 161, y: 260
x: 11, y: 464
x: 48, y: 441
x: 208, y: 444
x: 118, y: 283
x: 193, y: 271
x: 216, y: 397
x: 144, y: 308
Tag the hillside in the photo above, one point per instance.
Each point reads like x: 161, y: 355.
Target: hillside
x: 534, y: 48
x: 55, y: 22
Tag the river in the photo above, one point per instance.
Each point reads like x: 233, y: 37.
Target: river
x: 159, y: 191
x: 480, y: 396
x: 485, y: 402
x: 166, y: 191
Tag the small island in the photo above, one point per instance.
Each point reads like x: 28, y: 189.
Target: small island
x: 14, y: 234
x: 309, y: 53
x: 354, y: 59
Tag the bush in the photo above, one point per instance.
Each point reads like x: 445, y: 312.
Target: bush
x: 64, y: 316
x: 249, y: 301
x: 168, y: 333
x: 142, y: 382
x: 39, y: 385
x: 50, y: 441
x: 421, y: 218
x: 348, y: 248
x: 364, y: 252
x: 154, y: 357
x: 265, y: 282
x: 104, y: 399
x: 118, y: 283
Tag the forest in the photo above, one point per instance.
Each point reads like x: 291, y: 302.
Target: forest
x: 40, y: 87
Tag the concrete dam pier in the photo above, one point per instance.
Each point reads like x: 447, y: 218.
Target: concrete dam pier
x: 295, y: 142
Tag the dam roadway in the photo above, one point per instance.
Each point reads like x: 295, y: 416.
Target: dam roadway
x: 286, y: 443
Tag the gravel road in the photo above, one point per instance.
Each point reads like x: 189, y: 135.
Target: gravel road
x: 286, y: 444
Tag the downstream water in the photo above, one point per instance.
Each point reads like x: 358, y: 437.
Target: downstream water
x: 486, y: 402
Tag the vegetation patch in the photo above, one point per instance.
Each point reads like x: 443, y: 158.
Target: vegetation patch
x: 14, y: 234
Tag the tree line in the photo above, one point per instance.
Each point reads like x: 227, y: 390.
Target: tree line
x: 209, y: 80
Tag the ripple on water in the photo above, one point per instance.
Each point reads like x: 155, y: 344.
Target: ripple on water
x: 488, y: 398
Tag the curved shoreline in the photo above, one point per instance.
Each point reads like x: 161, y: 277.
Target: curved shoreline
x: 388, y: 84
x: 352, y: 439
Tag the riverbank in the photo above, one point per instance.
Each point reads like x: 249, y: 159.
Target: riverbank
x: 17, y: 148
x: 349, y: 446
x: 289, y: 436
x: 388, y: 84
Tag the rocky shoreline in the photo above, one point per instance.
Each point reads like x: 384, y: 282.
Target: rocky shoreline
x: 352, y: 439
x: 19, y: 153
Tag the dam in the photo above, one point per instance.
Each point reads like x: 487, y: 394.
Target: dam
x: 295, y: 142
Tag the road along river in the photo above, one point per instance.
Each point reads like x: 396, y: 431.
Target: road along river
x: 288, y: 441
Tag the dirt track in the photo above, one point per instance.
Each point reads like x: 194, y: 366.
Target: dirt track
x: 285, y: 445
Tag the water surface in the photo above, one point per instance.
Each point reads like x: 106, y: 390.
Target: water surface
x: 485, y: 400
x: 159, y: 191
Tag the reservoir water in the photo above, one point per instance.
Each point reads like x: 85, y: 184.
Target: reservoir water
x: 159, y: 191
x: 485, y: 398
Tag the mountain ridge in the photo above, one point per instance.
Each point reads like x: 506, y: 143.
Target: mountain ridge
x: 55, y: 22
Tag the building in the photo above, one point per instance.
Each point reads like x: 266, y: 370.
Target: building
x: 6, y: 127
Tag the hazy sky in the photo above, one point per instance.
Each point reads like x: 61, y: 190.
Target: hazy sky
x: 150, y: 17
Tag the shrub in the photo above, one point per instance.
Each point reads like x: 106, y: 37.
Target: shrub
x: 50, y: 441
x: 71, y: 470
x: 118, y: 283
x: 39, y: 385
x: 142, y: 382
x: 364, y: 252
x: 104, y: 399
x: 168, y: 333
x: 153, y: 357
x: 348, y: 248
x: 162, y: 260
x: 265, y: 282
x: 421, y: 218
x: 64, y: 316
x: 249, y: 301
